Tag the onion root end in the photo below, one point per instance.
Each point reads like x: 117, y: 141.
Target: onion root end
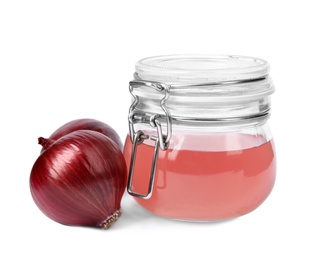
x: 111, y: 220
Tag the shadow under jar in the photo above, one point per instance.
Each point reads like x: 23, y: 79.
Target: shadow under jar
x: 199, y: 147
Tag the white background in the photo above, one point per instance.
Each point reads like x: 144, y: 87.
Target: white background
x: 63, y: 60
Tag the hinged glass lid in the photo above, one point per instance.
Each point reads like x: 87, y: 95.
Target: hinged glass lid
x: 203, y: 87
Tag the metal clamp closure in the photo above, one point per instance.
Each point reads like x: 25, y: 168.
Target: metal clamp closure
x: 154, y: 119
x: 137, y: 138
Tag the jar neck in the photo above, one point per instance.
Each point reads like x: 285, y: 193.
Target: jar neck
x: 233, y: 125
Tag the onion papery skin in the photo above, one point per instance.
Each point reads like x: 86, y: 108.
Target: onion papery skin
x: 80, y: 180
x: 86, y: 124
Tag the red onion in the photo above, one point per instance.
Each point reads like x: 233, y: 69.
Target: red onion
x: 80, y: 179
x: 84, y: 124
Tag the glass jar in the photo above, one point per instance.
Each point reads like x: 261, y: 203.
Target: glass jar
x: 199, y: 147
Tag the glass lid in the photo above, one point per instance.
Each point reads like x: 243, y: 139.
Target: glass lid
x: 200, y: 68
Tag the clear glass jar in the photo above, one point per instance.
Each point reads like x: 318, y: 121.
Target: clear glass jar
x: 199, y: 146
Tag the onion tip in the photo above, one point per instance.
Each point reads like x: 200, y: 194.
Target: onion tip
x: 111, y: 220
x: 44, y: 142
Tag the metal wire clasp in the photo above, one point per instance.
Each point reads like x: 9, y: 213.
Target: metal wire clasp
x: 137, y: 138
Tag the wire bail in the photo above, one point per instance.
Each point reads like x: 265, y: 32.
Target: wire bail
x: 137, y: 137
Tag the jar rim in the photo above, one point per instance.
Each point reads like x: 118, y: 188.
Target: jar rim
x: 201, y: 68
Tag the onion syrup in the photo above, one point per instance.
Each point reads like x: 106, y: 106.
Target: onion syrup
x: 196, y: 184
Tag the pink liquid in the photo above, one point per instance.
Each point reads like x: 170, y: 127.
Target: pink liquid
x: 205, y: 185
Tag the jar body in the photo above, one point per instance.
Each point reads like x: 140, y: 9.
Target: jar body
x: 199, y: 147
x: 206, y: 174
